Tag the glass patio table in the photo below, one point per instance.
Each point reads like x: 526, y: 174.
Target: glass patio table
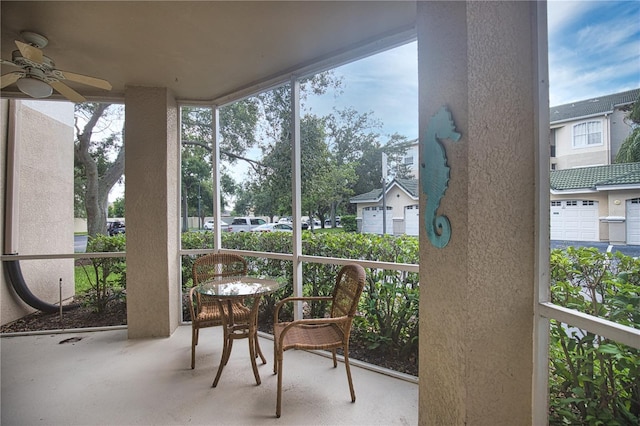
x: 234, y: 289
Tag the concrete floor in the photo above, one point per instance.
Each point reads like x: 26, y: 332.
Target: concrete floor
x: 106, y: 379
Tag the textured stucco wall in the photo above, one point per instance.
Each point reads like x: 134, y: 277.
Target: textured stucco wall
x: 476, y: 301
x: 152, y: 170
x: 44, y: 133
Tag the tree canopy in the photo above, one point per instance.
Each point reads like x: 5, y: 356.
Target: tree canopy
x: 341, y: 156
x: 341, y: 152
x: 630, y: 149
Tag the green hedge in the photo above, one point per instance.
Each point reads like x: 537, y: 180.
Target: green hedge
x: 388, y: 317
x: 594, y: 380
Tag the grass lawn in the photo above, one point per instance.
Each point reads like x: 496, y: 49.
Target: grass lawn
x: 82, y: 282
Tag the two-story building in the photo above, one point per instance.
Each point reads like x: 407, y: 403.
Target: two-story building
x: 589, y: 132
x: 592, y: 199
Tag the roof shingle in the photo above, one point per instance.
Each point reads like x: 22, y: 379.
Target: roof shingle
x: 409, y: 185
x: 593, y: 106
x: 592, y: 177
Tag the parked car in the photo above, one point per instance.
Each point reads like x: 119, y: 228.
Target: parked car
x: 327, y: 222
x: 245, y: 224
x: 115, y: 227
x: 208, y: 226
x: 273, y: 227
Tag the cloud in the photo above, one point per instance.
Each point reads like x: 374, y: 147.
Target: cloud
x: 594, y: 49
x: 385, y: 84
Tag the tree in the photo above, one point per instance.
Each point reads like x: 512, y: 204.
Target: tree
x: 270, y: 180
x: 237, y: 128
x: 117, y: 208
x: 630, y: 149
x: 354, y: 138
x: 100, y: 164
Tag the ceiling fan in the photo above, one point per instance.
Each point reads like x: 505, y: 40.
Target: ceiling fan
x: 37, y: 76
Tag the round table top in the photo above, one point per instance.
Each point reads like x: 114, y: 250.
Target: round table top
x: 241, y: 286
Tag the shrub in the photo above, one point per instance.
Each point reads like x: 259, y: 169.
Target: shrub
x: 594, y: 380
x: 349, y: 223
x: 388, y: 314
x: 106, y: 276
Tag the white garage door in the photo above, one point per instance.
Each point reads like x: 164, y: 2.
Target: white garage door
x: 633, y: 221
x: 372, y: 220
x: 412, y: 220
x: 574, y: 220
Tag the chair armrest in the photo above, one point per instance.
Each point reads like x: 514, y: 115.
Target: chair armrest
x: 294, y: 299
x: 311, y: 321
x: 191, y: 310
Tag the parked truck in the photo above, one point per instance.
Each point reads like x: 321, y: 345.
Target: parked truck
x: 244, y: 224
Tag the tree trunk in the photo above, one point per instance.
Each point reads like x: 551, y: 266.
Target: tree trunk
x: 97, y: 185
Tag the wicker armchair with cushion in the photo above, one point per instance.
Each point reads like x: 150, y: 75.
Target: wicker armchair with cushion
x: 206, y: 311
x: 321, y: 333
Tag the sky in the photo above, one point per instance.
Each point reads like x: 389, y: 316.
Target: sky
x: 594, y: 50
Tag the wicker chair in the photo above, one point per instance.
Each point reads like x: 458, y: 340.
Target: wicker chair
x: 206, y: 311
x: 321, y: 333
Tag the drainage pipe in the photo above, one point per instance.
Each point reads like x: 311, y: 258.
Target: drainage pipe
x: 14, y: 273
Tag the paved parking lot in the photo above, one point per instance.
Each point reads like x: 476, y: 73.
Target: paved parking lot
x: 633, y: 251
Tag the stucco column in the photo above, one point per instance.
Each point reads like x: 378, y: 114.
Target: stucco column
x: 151, y: 197
x: 476, y: 293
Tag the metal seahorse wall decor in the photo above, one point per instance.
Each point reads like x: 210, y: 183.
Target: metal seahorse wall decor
x: 434, y: 175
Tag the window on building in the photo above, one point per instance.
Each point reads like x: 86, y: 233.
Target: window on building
x: 587, y: 134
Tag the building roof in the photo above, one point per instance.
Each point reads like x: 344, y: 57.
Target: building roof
x: 591, y: 107
x: 595, y: 177
x: 410, y: 186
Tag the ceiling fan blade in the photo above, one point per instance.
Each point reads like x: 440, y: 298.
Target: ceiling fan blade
x: 30, y: 52
x: 84, y: 79
x: 4, y: 62
x: 10, y: 78
x: 67, y: 91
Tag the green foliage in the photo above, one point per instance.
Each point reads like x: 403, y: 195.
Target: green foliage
x: 629, y: 151
x: 388, y: 314
x: 106, y: 276
x: 594, y: 380
x: 117, y: 208
x: 349, y: 223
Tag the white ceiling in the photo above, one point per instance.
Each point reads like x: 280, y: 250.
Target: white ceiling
x: 200, y: 50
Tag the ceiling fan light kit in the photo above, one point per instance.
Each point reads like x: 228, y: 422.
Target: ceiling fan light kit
x: 38, y: 77
x: 34, y: 87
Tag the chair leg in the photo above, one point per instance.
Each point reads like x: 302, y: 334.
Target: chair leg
x: 258, y: 350
x: 346, y: 364
x: 275, y: 355
x: 194, y: 342
x: 253, y: 356
x: 279, y: 400
x: 335, y: 360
